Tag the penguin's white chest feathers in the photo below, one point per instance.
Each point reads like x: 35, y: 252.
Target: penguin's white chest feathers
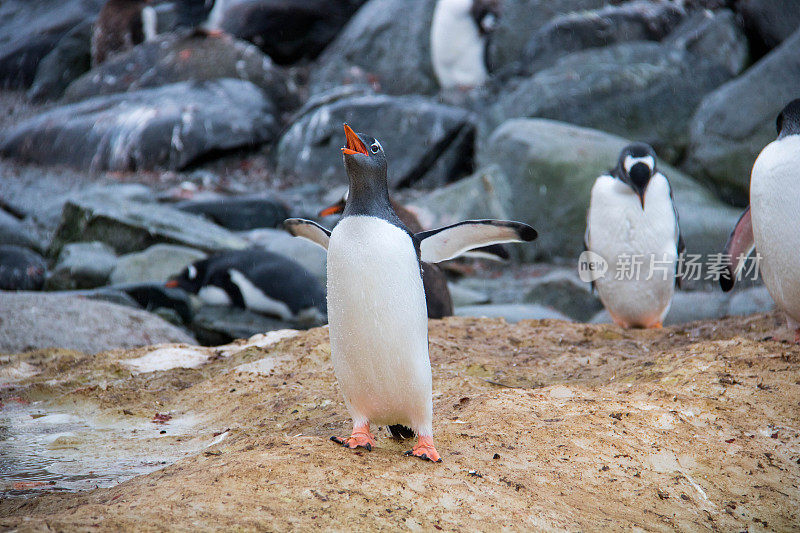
x: 378, y: 323
x: 625, y: 235
x: 775, y: 211
x: 457, y: 47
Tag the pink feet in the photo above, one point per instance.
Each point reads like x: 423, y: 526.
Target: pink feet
x: 425, y: 450
x: 797, y: 336
x: 361, y: 437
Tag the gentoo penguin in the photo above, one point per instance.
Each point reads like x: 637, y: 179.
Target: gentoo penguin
x: 459, y: 37
x: 121, y: 25
x: 437, y: 294
x: 771, y: 224
x: 376, y: 300
x: 254, y: 279
x: 632, y: 224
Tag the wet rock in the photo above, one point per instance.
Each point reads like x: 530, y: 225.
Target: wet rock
x: 214, y: 325
x: 70, y: 58
x: 551, y: 167
x: 485, y: 194
x: 735, y: 122
x: 564, y: 292
x: 640, y: 20
x: 387, y: 45
x: 32, y: 321
x: 700, y: 305
x: 30, y: 30
x: 643, y: 90
x: 288, y: 31
x: 511, y: 312
x: 21, y: 269
x: 157, y: 263
x: 159, y: 299
x: 171, y: 59
x: 769, y: 22
x: 82, y: 265
x: 464, y: 296
x: 239, y: 213
x: 167, y: 127
x: 310, y: 256
x: 520, y: 19
x: 428, y: 144
x: 129, y: 226
x: 14, y: 231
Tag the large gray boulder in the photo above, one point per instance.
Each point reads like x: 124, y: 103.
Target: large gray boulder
x: 155, y: 264
x: 175, y: 58
x: 735, y: 122
x: 387, y: 44
x: 550, y: 168
x: 770, y: 21
x: 427, y: 143
x: 70, y: 58
x: 643, y: 90
x: 640, y: 20
x: 29, y: 30
x: 129, y: 226
x: 520, y: 19
x: 34, y: 321
x: 15, y: 231
x: 82, y: 265
x: 167, y: 127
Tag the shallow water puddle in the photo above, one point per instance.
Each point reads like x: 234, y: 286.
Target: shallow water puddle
x: 45, y: 447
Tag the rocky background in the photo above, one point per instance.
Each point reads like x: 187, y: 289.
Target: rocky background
x: 112, y: 179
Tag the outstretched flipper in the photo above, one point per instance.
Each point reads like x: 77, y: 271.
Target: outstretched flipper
x: 308, y: 230
x: 740, y: 245
x: 451, y: 241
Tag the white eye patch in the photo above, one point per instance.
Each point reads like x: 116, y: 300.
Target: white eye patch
x: 376, y: 147
x: 630, y: 161
x: 191, y: 271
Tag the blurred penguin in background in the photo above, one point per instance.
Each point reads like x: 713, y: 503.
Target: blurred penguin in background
x: 460, y: 33
x: 121, y: 25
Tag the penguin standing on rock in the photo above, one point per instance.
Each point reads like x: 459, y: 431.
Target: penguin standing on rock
x: 771, y: 224
x: 633, y: 225
x: 376, y: 300
x: 460, y: 32
x: 121, y: 25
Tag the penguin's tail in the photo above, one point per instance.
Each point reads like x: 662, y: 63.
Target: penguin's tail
x: 399, y: 431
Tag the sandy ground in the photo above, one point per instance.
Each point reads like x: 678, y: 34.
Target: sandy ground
x: 542, y: 425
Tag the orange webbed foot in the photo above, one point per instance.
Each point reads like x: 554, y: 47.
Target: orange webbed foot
x: 657, y: 325
x: 425, y: 450
x: 797, y: 336
x: 360, y: 438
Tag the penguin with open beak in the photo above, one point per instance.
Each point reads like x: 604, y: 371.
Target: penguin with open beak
x: 376, y: 301
x: 632, y: 224
x: 770, y: 224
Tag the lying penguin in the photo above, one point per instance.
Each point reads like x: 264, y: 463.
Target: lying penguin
x: 376, y: 300
x: 771, y: 223
x: 121, y: 25
x: 255, y: 279
x: 460, y: 32
x: 632, y: 220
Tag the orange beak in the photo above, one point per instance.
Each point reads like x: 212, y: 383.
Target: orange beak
x: 332, y: 210
x: 354, y: 144
x: 171, y: 284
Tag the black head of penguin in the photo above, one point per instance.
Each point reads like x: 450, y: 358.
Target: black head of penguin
x: 365, y: 164
x: 788, y: 122
x: 192, y: 278
x: 636, y: 165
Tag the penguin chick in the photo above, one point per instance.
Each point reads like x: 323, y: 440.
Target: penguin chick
x: 376, y: 301
x: 632, y: 224
x: 460, y: 32
x: 119, y: 27
x: 770, y: 224
x: 254, y: 279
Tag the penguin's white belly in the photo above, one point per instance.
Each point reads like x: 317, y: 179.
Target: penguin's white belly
x: 457, y: 47
x: 378, y: 323
x: 775, y: 211
x: 625, y: 235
